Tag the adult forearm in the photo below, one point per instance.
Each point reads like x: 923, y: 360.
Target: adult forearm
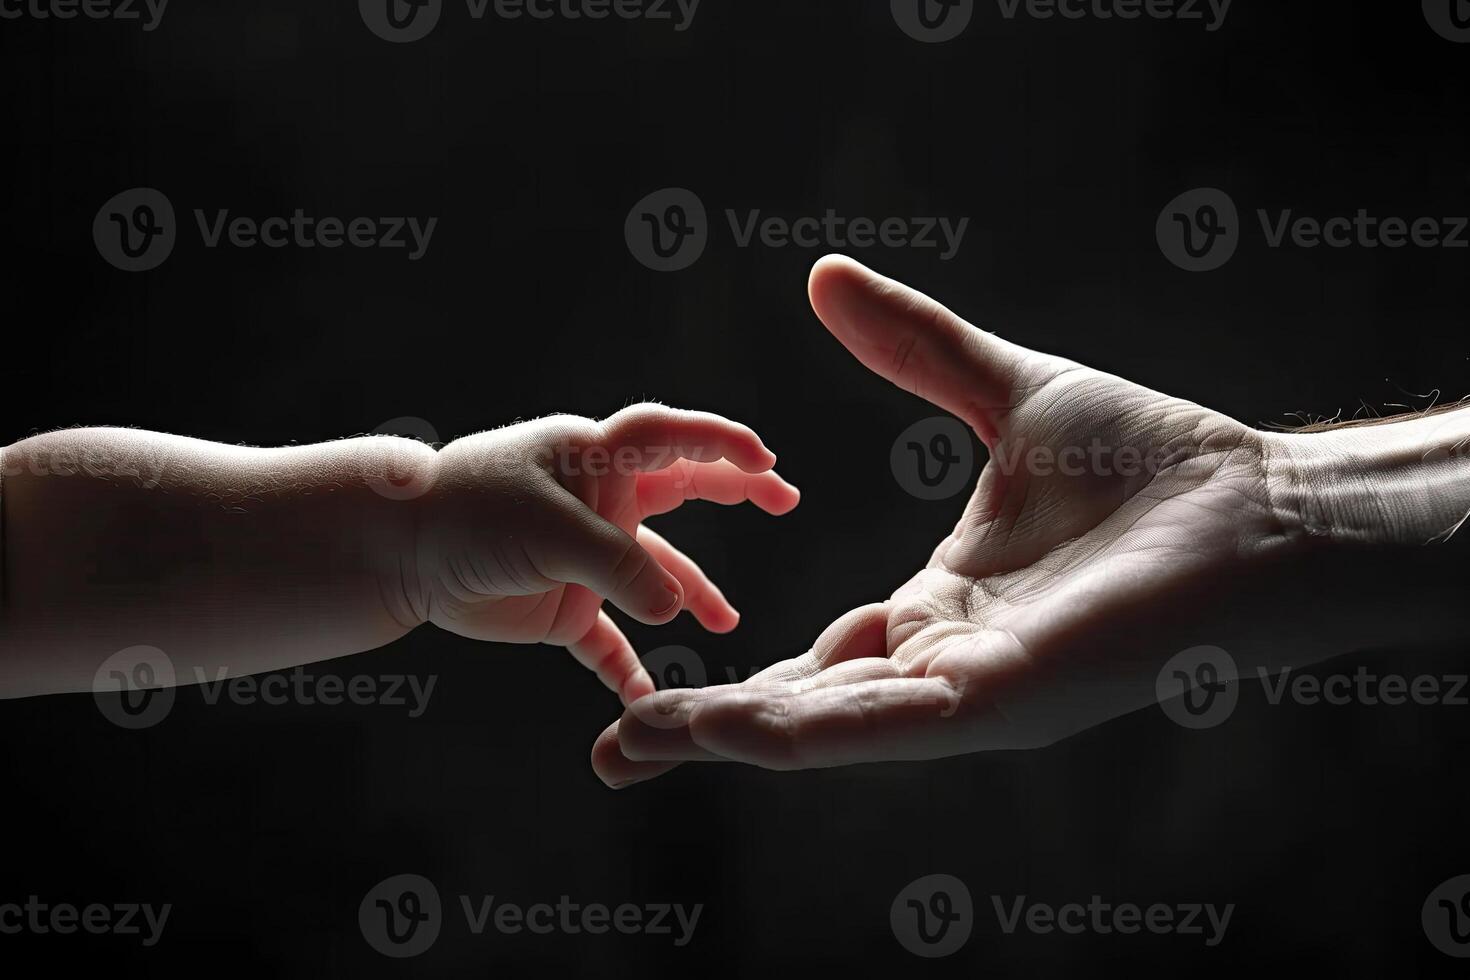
x: 1386, y: 504
x: 1400, y: 481
x: 226, y: 558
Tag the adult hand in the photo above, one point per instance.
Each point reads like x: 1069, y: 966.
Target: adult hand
x: 1112, y: 527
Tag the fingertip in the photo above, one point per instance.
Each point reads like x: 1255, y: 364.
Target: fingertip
x: 775, y: 496
x: 615, y: 770
x: 760, y: 459
x: 793, y: 498
x: 603, y: 765
x: 660, y: 711
x: 755, y: 455
x: 638, y: 685
x: 831, y: 265
x: 724, y: 621
x: 668, y: 602
x: 743, y: 446
x: 652, y: 603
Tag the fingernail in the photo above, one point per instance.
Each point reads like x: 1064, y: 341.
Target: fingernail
x: 624, y: 784
x: 668, y: 606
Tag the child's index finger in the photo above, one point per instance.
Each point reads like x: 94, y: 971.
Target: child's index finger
x: 656, y: 436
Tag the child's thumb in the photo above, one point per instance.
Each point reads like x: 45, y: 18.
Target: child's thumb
x: 583, y: 548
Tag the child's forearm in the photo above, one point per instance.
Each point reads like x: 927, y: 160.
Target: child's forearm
x: 225, y: 558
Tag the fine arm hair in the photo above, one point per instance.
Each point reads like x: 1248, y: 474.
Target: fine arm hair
x: 1332, y: 425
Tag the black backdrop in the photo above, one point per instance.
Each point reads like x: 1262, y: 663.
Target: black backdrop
x: 264, y: 826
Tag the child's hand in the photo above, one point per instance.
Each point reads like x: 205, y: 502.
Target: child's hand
x: 525, y: 530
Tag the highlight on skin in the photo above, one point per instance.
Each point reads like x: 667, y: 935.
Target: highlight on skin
x: 1055, y: 600
x: 245, y: 560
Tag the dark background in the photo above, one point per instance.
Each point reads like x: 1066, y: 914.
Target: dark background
x: 265, y: 826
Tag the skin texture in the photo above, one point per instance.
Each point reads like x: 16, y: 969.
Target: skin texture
x: 238, y: 560
x: 527, y: 554
x: 1062, y: 592
x: 1148, y: 525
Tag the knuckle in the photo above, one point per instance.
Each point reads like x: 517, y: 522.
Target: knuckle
x: 642, y: 413
x: 635, y: 422
x: 629, y: 564
x: 781, y: 735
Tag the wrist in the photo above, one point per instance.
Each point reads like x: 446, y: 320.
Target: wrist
x: 400, y: 473
x: 1404, y: 482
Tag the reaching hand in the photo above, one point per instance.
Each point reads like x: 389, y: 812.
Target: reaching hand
x: 1112, y: 527
x: 523, y: 531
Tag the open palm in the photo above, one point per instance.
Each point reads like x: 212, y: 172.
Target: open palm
x: 1112, y: 527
